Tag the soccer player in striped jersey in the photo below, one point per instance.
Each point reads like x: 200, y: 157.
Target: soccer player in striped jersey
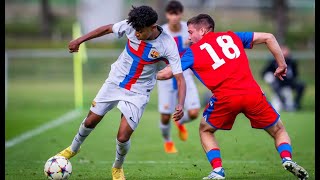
x: 131, y: 79
x: 167, y: 89
x: 220, y: 62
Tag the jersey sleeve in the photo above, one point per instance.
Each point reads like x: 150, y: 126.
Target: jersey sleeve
x: 172, y: 54
x: 187, y: 59
x: 120, y: 28
x: 246, y: 38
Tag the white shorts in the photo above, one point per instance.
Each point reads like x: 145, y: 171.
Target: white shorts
x: 130, y: 104
x: 167, y: 95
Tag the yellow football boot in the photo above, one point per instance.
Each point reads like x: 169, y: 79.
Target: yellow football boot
x: 118, y: 174
x: 67, y: 153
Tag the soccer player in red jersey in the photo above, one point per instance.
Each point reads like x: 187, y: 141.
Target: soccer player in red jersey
x: 219, y: 61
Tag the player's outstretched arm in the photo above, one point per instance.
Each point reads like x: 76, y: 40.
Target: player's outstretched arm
x: 103, y: 30
x: 181, y: 96
x: 274, y: 48
x: 165, y: 73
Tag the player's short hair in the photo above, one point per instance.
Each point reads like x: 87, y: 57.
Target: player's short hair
x: 174, y: 7
x: 141, y: 17
x: 202, y: 20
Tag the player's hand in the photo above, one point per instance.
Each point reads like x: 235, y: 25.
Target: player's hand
x: 281, y: 71
x: 178, y: 114
x: 74, y: 46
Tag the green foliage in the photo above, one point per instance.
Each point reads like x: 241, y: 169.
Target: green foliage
x: 299, y: 39
x: 22, y: 29
x: 301, y: 30
x: 31, y: 29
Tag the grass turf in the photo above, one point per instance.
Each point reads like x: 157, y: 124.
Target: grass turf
x: 41, y: 97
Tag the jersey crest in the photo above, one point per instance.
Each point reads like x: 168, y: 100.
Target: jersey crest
x: 154, y: 54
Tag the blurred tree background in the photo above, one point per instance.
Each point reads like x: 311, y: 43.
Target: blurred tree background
x: 48, y: 23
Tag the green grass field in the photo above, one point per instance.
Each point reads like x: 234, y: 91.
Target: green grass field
x: 40, y: 91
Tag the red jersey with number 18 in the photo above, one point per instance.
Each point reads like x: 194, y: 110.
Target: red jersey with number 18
x: 221, y: 64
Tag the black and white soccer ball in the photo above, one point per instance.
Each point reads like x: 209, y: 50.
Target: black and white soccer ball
x: 58, y: 167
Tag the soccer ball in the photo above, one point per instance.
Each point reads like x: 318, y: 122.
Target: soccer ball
x: 58, y: 167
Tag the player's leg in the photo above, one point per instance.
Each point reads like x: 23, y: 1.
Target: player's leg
x: 218, y: 114
x: 130, y: 118
x: 283, y: 146
x: 192, y: 107
x: 122, y: 147
x: 166, y: 105
x: 165, y: 127
x: 193, y: 114
x: 104, y: 101
x: 212, y: 150
x: 189, y: 115
x: 263, y: 115
x: 287, y: 93
x: 88, y: 124
x: 276, y: 87
x: 299, y: 87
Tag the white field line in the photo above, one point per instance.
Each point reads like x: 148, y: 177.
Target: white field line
x: 34, y: 132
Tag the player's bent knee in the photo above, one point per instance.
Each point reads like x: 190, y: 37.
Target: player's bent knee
x: 123, y: 138
x: 201, y: 127
x: 165, y: 118
x: 92, y: 120
x: 90, y: 124
x: 205, y: 127
x: 276, y: 129
x: 193, y: 114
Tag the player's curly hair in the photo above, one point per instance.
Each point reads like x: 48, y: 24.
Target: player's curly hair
x: 202, y: 20
x: 141, y: 17
x: 174, y: 7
